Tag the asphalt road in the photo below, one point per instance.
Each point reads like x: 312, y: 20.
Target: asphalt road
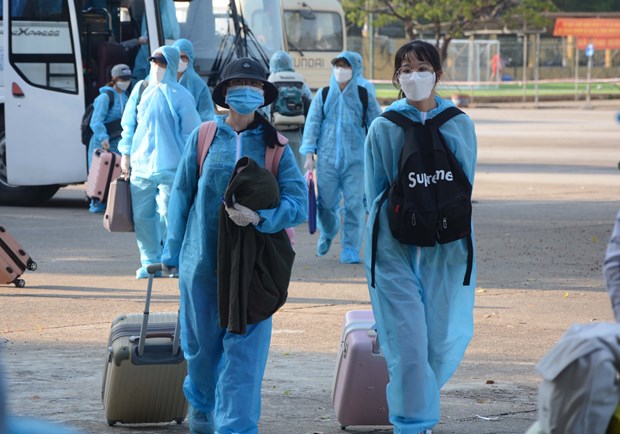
x: 546, y: 194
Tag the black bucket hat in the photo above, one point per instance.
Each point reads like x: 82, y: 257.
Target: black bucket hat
x: 248, y: 69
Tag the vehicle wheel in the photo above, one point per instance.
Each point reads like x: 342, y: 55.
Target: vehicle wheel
x: 20, y: 283
x: 20, y: 196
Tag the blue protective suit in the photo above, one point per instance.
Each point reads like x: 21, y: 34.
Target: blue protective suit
x: 196, y: 85
x: 281, y: 61
x: 154, y: 135
x: 171, y: 30
x: 361, y: 81
x: 225, y: 370
x: 101, y: 115
x: 338, y: 141
x: 424, y: 313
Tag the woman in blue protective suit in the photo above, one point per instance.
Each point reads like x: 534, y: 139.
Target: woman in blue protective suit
x: 106, y: 117
x: 224, y: 369
x: 156, y: 123
x: 188, y: 77
x: 335, y: 131
x: 423, y: 311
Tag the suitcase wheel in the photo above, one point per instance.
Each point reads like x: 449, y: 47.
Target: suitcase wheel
x: 31, y: 265
x: 111, y: 422
x: 20, y: 283
x: 179, y: 421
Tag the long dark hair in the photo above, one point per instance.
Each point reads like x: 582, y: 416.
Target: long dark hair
x: 421, y: 50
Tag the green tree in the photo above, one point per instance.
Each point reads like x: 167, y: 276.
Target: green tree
x: 449, y: 19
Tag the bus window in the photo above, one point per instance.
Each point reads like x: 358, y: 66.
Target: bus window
x: 40, y: 44
x: 314, y: 31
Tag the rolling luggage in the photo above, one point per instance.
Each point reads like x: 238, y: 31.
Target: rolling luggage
x: 104, y: 167
x: 145, y: 369
x: 13, y: 260
x: 358, y: 393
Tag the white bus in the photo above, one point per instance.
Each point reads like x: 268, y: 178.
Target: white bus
x: 315, y: 33
x: 57, y: 53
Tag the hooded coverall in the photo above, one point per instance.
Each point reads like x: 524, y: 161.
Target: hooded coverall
x: 423, y: 312
x: 196, y: 85
x: 224, y: 370
x: 334, y: 130
x: 281, y: 61
x: 154, y: 136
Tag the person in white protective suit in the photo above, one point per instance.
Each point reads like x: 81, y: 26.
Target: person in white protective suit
x: 155, y: 131
x: 190, y: 79
x: 225, y: 369
x: 335, y: 131
x: 424, y: 313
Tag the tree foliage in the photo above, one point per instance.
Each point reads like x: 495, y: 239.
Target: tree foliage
x: 449, y: 19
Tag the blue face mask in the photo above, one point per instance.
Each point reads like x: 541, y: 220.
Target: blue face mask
x: 244, y: 99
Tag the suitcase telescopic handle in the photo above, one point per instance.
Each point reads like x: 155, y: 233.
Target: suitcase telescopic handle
x: 151, y: 270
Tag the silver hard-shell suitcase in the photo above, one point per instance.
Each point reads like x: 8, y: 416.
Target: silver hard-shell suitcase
x: 145, y: 368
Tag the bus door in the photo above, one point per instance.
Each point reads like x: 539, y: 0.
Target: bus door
x: 43, y: 93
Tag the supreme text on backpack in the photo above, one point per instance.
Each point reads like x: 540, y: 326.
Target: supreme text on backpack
x: 85, y: 129
x: 288, y: 108
x: 430, y: 201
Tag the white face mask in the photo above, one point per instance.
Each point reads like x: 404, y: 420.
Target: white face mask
x: 157, y: 73
x: 417, y: 86
x: 123, y: 85
x: 183, y: 66
x: 342, y: 75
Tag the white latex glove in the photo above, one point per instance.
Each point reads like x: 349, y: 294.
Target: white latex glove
x: 242, y: 216
x: 125, y: 165
x: 105, y: 144
x: 169, y: 271
x: 309, y: 165
x: 143, y: 40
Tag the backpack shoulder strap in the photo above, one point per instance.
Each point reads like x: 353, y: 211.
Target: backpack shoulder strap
x: 324, y: 93
x: 205, y: 138
x: 274, y: 155
x: 399, y: 119
x: 444, y: 116
x: 363, y: 92
x: 110, y: 99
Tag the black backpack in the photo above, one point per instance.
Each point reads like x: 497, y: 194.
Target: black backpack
x: 430, y: 201
x: 363, y: 93
x: 85, y: 129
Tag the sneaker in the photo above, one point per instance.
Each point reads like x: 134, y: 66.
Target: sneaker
x: 198, y: 422
x: 349, y: 256
x: 323, y: 246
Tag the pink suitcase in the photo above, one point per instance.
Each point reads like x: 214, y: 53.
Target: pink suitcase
x: 13, y: 260
x: 358, y: 393
x: 104, y: 167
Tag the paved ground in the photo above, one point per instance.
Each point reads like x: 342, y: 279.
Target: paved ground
x: 546, y: 194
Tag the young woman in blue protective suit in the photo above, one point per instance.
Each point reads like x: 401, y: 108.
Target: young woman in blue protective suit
x: 225, y: 370
x: 424, y: 314
x: 188, y: 77
x: 103, y: 113
x: 335, y: 131
x: 154, y: 135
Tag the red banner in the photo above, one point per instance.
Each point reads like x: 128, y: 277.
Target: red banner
x: 587, y: 27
